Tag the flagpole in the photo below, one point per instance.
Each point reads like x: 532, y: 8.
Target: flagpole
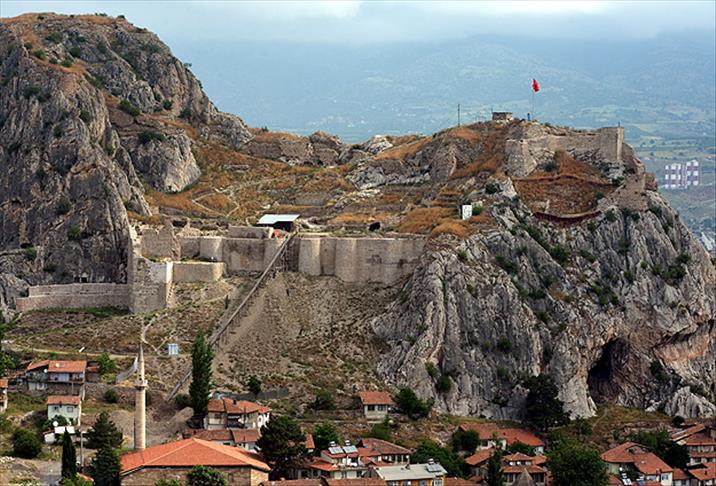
x: 534, y: 116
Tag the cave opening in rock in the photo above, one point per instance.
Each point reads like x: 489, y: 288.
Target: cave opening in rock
x: 606, y: 374
x: 374, y: 226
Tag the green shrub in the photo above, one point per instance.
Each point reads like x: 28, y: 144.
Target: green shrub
x: 127, y: 107
x: 31, y: 91
x: 560, y: 254
x: 55, y: 37
x: 74, y: 233
x: 111, y: 396
x: 40, y: 54
x: 432, y: 370
x: 444, y: 384
x: 106, y: 364
x: 85, y: 116
x: 629, y: 276
x: 507, y: 265
x: 674, y: 272
x: 462, y: 255
x: 53, y: 60
x: 504, y: 345
x: 537, y: 294
x: 683, y: 259
x: 658, y: 371
x: 409, y: 403
x: 182, y: 401
x: 25, y: 444
x: 324, y: 400
x: 57, y: 131
x: 611, y: 216
x: 382, y: 430
x: 102, y: 47
x: 503, y: 374
x: 492, y: 188
x: 146, y: 136
x: 30, y: 253
x: 75, y: 52
x: 67, y: 62
x: 167, y: 104
x: 587, y: 256
x: 551, y: 166
x: 94, y: 81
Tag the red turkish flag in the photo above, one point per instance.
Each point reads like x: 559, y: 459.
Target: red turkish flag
x: 535, y: 85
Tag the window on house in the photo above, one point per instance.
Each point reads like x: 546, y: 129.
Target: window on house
x: 437, y: 482
x: 371, y: 408
x: 423, y: 482
x: 344, y: 474
x: 70, y: 409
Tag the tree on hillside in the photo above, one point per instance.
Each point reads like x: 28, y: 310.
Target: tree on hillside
x: 323, y: 435
x: 25, y: 444
x: 282, y: 444
x: 324, y: 400
x: 574, y: 464
x: 493, y: 475
x: 105, y: 467
x: 105, y: 364
x: 409, y: 403
x: 542, y: 407
x: 205, y: 476
x: 69, y: 457
x: 429, y: 449
x: 382, y: 430
x: 659, y: 442
x: 465, y: 440
x: 104, y: 432
x: 254, y: 384
x: 200, y: 387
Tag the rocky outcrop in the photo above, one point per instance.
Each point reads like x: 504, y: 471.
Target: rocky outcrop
x: 320, y: 149
x: 91, y: 109
x: 616, y: 308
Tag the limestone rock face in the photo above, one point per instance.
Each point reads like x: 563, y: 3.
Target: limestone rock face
x: 91, y: 109
x: 619, y: 308
x: 321, y: 149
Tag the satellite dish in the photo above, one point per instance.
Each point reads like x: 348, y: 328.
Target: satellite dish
x: 55, y: 423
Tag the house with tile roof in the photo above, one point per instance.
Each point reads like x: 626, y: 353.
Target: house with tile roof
x: 3, y: 394
x: 377, y: 451
x: 56, y: 377
x: 682, y: 478
x: 226, y: 413
x: 704, y: 475
x: 478, y: 462
x: 518, y: 468
x: 631, y: 457
x: 175, y: 459
x: 376, y: 405
x: 492, y: 434
x: 700, y: 442
x: 67, y: 406
x: 243, y: 438
x: 427, y: 474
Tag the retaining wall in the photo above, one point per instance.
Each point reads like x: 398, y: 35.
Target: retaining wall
x: 77, y: 295
x: 197, y: 271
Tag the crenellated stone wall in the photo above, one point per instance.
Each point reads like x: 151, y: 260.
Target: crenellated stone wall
x: 75, y: 295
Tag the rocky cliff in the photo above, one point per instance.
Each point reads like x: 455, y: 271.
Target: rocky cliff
x: 584, y: 274
x: 92, y: 111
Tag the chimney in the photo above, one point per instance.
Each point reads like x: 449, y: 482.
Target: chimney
x: 140, y: 417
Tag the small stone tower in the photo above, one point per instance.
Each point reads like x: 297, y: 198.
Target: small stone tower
x: 140, y: 418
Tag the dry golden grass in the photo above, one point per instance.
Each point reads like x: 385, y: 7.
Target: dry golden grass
x: 456, y: 227
x: 402, y: 152
x: 153, y: 219
x: 423, y: 220
x: 218, y: 202
x: 262, y: 136
x: 327, y: 181
x: 356, y: 219
x: 491, y: 156
x: 464, y: 133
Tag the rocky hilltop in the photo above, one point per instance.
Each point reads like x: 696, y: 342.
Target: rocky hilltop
x: 92, y: 111
x: 571, y: 265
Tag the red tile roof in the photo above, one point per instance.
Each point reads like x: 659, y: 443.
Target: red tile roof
x: 693, y: 429
x: 511, y: 435
x: 479, y: 457
x: 294, y: 482
x: 532, y: 469
x: 322, y: 465
x: 3, y: 383
x: 356, y: 482
x: 238, y: 436
x: 680, y: 474
x: 63, y: 400
x: 59, y: 366
x: 518, y: 456
x: 458, y: 482
x: 631, y: 453
x: 237, y: 407
x: 700, y: 439
x: 191, y: 452
x: 310, y: 444
x: 376, y: 398
x: 384, y: 447
x: 704, y: 473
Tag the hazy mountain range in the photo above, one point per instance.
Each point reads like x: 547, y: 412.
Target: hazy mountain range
x: 664, y: 86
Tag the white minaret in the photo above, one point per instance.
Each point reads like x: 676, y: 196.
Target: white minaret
x: 140, y: 419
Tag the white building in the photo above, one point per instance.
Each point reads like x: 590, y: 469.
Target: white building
x: 681, y: 176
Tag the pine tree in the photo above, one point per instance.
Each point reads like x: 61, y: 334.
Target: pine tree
x: 105, y: 467
x: 493, y: 476
x: 104, y: 432
x: 69, y: 457
x: 282, y: 444
x: 200, y: 387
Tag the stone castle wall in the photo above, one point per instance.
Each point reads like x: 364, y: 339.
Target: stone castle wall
x: 64, y: 296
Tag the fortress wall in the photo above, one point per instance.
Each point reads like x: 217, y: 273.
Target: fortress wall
x: 210, y: 248
x: 75, y: 296
x: 346, y: 267
x: 151, y: 284
x: 309, y: 256
x: 243, y: 254
x: 271, y: 246
x: 189, y: 246
x: 249, y: 232
x: 159, y: 242
x: 197, y: 272
x: 328, y: 256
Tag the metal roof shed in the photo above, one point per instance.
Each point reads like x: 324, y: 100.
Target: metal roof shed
x: 278, y: 221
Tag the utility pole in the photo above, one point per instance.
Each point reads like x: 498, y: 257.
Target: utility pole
x: 458, y: 114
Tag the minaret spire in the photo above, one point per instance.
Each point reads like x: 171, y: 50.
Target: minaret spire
x: 140, y: 419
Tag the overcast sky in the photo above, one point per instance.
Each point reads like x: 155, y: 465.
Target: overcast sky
x: 364, y: 22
